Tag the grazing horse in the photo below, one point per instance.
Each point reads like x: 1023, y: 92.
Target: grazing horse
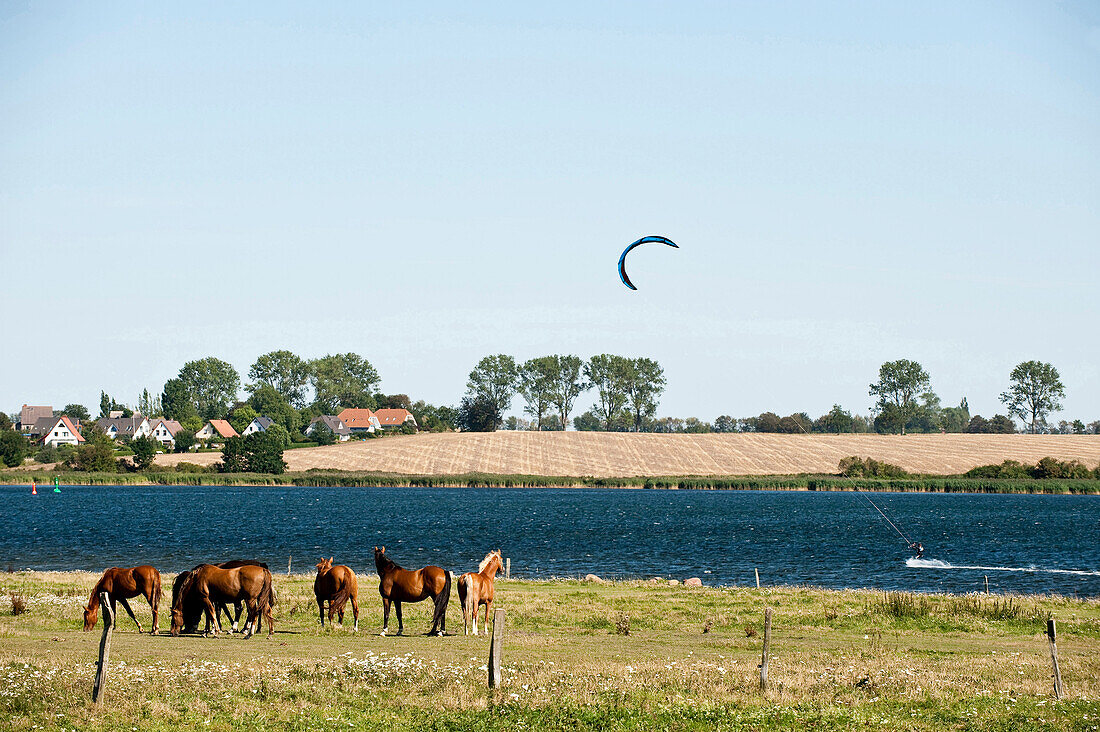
x: 336, y: 584
x: 399, y: 585
x: 476, y: 588
x: 249, y: 584
x: 120, y: 584
x: 193, y: 607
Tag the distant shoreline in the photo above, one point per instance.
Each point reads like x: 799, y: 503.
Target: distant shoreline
x: 347, y: 479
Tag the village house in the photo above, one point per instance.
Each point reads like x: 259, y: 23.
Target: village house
x: 360, y: 420
x: 29, y: 416
x: 164, y: 431
x: 260, y: 424
x: 216, y: 429
x: 335, y: 425
x: 118, y: 428
x: 56, y: 431
x: 391, y: 418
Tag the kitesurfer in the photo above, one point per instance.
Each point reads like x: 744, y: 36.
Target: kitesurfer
x: 918, y: 548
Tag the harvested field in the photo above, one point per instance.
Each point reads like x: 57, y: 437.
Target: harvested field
x: 603, y: 454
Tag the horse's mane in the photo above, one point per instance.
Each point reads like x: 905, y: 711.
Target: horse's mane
x: 185, y: 587
x: 488, y: 558
x: 384, y: 563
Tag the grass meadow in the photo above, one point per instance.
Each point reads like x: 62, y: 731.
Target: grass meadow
x: 577, y: 656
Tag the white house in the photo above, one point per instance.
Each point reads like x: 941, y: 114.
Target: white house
x: 129, y: 427
x: 260, y: 424
x: 58, y: 431
x: 390, y: 418
x: 164, y: 431
x: 216, y: 429
x: 335, y: 424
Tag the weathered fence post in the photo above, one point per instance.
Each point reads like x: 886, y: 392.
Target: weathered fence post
x: 986, y: 584
x: 754, y: 569
x: 494, y: 649
x: 104, y: 648
x: 1052, y: 636
x: 508, y: 568
x: 764, y: 655
x: 288, y: 559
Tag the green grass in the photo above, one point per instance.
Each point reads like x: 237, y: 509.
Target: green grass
x: 335, y: 478
x: 839, y: 660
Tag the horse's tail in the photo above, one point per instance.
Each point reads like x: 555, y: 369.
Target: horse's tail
x: 341, y: 594
x: 441, y: 601
x: 156, y: 590
x: 466, y: 595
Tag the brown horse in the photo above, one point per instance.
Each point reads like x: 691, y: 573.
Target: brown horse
x: 193, y: 606
x: 123, y: 583
x: 399, y: 585
x: 336, y: 584
x: 476, y: 588
x: 249, y: 584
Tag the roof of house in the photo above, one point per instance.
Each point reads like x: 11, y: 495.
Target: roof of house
x: 223, y: 428
x: 169, y: 424
x: 263, y: 422
x: 335, y: 424
x: 30, y: 415
x: 394, y: 417
x: 359, y: 418
x: 123, y: 425
x: 43, y: 427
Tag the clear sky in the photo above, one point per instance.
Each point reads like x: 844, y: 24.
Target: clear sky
x: 849, y: 183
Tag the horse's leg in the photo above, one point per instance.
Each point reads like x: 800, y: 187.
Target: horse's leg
x: 355, y: 610
x: 321, y: 610
x: 151, y: 597
x: 397, y: 609
x: 130, y: 612
x: 211, y: 615
x: 237, y: 618
x: 253, y: 610
x: 333, y: 611
x: 385, y: 615
x: 488, y: 607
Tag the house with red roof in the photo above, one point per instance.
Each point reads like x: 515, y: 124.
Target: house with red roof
x: 391, y: 418
x: 216, y: 429
x: 360, y: 420
x: 57, y: 431
x: 164, y: 431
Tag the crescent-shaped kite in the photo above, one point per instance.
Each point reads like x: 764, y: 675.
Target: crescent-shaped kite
x: 643, y: 240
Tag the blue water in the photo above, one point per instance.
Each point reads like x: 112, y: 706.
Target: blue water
x: 1026, y: 544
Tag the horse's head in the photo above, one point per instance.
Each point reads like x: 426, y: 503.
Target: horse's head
x: 177, y: 619
x: 324, y: 565
x: 91, y: 615
x: 492, y: 562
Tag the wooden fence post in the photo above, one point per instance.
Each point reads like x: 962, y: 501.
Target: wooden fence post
x: 494, y: 649
x: 754, y: 569
x: 986, y: 584
x: 288, y: 559
x: 1052, y: 636
x: 104, y: 648
x: 508, y: 568
x: 764, y: 655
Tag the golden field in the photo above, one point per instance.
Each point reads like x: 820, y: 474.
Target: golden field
x: 612, y: 454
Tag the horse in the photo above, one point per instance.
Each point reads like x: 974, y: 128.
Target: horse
x: 399, y: 585
x: 476, y: 588
x: 250, y: 584
x: 336, y: 584
x: 120, y: 584
x: 193, y: 607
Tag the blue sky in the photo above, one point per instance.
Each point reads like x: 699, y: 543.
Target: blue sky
x: 849, y: 183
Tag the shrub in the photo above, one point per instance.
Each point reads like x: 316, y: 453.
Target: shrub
x: 856, y: 467
x: 46, y: 454
x: 94, y: 458
x: 145, y: 451
x: 186, y: 467
x: 184, y: 440
x: 18, y: 604
x: 13, y: 448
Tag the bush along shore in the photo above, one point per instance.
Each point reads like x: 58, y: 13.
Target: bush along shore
x: 325, y: 478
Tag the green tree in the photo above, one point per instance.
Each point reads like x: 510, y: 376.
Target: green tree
x: 1001, y: 425
x: 343, y: 380
x: 1036, y: 391
x: 105, y: 403
x: 234, y: 456
x: 955, y: 419
x: 610, y: 374
x: 150, y: 405
x: 13, y: 448
x: 478, y: 414
x: 93, y: 457
x: 145, y: 451
x: 264, y: 452
x: 588, y: 422
x: 321, y: 434
x: 77, y: 411
x: 284, y: 372
x: 175, y: 401
x: 241, y: 417
x: 536, y: 386
x: 566, y: 386
x: 393, y: 401
x: 184, y: 439
x: 645, y: 383
x: 494, y: 379
x: 898, y: 386
x: 836, y: 421
x: 212, y: 386
x: 766, y: 422
x: 279, y: 434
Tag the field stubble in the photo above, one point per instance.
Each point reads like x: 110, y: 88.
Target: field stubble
x: 839, y: 659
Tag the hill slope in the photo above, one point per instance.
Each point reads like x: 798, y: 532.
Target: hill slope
x: 604, y: 454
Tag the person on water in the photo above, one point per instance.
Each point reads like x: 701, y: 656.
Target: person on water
x: 918, y: 548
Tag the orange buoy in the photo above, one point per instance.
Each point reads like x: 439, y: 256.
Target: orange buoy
x: 34, y: 489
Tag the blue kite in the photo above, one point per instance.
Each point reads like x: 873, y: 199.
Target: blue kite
x: 643, y: 240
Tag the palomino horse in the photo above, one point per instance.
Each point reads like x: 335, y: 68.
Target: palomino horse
x: 399, y: 585
x: 193, y: 606
x: 122, y: 583
x: 476, y: 588
x: 336, y: 584
x: 250, y: 585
